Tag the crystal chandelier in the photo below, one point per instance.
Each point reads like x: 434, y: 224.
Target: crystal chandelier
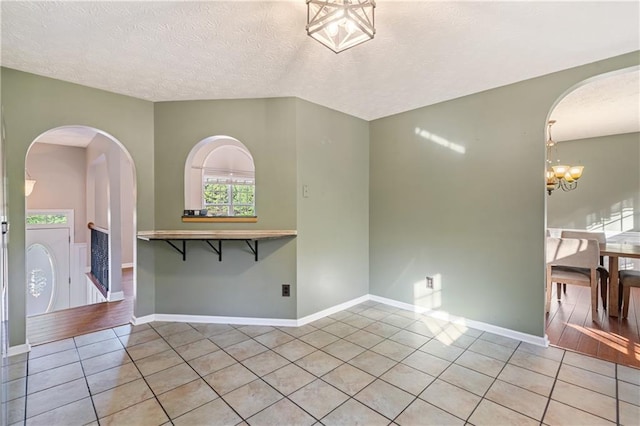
x: 341, y: 24
x: 559, y: 175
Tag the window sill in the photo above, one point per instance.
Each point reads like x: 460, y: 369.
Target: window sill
x: 219, y: 219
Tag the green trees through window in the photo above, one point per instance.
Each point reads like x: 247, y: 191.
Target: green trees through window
x: 46, y: 219
x: 226, y: 197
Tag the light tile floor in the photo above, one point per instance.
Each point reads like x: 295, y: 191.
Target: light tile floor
x: 370, y: 364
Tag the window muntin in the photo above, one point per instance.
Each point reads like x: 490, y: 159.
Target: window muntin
x: 227, y: 196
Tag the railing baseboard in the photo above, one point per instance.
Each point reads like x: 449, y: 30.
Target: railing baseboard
x: 115, y: 296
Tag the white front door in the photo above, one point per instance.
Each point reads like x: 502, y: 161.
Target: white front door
x: 47, y: 270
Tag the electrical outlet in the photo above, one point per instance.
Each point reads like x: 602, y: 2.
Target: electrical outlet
x: 286, y: 290
x: 430, y: 282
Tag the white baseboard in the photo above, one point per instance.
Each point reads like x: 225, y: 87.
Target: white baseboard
x: 18, y: 349
x: 142, y: 320
x: 478, y: 325
x: 115, y: 296
x: 397, y: 304
x: 332, y: 310
x: 127, y: 265
x: 274, y: 322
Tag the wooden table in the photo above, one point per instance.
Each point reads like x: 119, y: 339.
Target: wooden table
x: 614, y: 251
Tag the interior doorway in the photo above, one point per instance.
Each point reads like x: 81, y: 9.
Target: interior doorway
x: 596, y: 127
x: 89, y: 175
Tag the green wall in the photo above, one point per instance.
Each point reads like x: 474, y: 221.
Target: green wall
x: 610, y: 183
x: 454, y: 191
x: 474, y: 220
x: 32, y: 105
x: 333, y: 220
x: 237, y: 286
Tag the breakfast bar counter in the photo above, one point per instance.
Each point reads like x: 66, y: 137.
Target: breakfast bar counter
x: 251, y: 237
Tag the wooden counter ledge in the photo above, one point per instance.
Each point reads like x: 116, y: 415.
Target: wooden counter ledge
x: 216, y: 235
x: 248, y: 236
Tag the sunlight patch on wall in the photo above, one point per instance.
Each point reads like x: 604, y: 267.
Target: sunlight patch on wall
x: 439, y: 324
x: 429, y: 298
x: 620, y: 218
x: 440, y: 140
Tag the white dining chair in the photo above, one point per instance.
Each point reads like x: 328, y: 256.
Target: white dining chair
x: 581, y: 256
x: 603, y: 272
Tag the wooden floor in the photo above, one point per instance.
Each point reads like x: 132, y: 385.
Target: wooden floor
x: 569, y: 326
x: 85, y: 319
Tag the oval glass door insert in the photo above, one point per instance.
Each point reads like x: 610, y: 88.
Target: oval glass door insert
x: 40, y: 280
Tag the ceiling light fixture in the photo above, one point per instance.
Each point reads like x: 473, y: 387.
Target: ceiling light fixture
x: 29, y: 183
x: 559, y: 175
x: 341, y: 24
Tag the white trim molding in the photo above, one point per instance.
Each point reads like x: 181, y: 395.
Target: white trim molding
x: 274, y: 322
x: 332, y: 310
x: 478, y: 325
x: 115, y: 296
x: 277, y: 322
x: 18, y: 349
x: 128, y: 265
x: 142, y: 320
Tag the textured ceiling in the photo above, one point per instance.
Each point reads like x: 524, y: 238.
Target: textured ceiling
x: 605, y: 106
x: 424, y: 52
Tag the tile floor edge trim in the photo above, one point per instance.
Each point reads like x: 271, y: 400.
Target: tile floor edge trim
x: 479, y: 325
x: 18, y: 349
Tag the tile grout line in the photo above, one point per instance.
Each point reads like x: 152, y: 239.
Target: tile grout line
x: 322, y: 350
x: 193, y: 369
x: 497, y: 403
x: 617, y: 397
x: 95, y: 411
x: 352, y: 397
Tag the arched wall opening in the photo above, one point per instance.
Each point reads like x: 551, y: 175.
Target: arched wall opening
x: 223, y: 159
x: 89, y: 172
x: 595, y: 126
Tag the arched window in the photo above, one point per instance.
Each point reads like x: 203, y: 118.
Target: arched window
x: 220, y: 179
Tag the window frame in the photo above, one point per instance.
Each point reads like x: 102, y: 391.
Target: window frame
x: 229, y: 182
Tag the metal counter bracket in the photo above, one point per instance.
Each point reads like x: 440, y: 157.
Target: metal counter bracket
x: 217, y: 250
x: 183, y: 252
x: 253, y: 249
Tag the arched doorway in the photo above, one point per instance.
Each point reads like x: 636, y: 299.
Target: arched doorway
x: 81, y: 175
x: 596, y: 126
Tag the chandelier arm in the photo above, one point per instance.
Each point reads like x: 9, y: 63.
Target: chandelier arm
x: 322, y: 21
x: 320, y: 9
x: 568, y: 186
x: 364, y: 25
x: 365, y: 19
